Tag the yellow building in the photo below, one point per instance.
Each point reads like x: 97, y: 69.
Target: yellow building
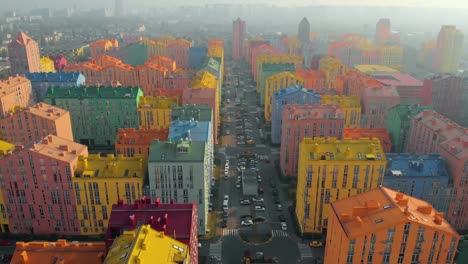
x: 206, y: 80
x: 166, y: 39
x: 146, y: 245
x: 332, y: 69
x: 332, y: 169
x: 275, y: 83
x: 99, y: 182
x: 5, y: 147
x: 370, y: 69
x: 275, y: 59
x: 47, y: 65
x: 350, y: 105
x: 392, y: 56
x: 155, y: 112
x: 155, y: 48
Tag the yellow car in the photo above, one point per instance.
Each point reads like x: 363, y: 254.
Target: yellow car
x: 250, y: 142
x: 315, y: 244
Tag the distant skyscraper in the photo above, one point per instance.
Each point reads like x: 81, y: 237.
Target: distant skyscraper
x: 238, y: 39
x: 304, y: 30
x: 24, y: 55
x: 382, y: 31
x: 119, y: 8
x: 448, y: 50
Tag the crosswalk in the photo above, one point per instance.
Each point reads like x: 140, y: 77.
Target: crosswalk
x: 305, y: 250
x: 215, y: 249
x: 230, y: 232
x: 279, y: 233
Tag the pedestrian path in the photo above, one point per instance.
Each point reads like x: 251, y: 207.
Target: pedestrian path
x: 230, y: 232
x: 279, y: 233
x: 215, y: 249
x: 305, y: 250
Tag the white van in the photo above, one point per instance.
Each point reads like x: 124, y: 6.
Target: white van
x: 226, y: 205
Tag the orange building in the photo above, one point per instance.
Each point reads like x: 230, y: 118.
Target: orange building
x: 332, y: 69
x: 14, y: 92
x: 165, y: 62
x: 59, y: 252
x: 24, y: 55
x: 380, y: 133
x: 312, y: 79
x: 178, y: 51
x: 150, y: 77
x: 102, y: 46
x: 131, y: 141
x: 354, y: 83
x: 385, y: 226
x: 33, y: 123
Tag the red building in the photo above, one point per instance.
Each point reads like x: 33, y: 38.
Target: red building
x: 165, y: 62
x: 257, y: 51
x: 178, y: 51
x: 313, y: 79
x: 445, y: 93
x: 380, y: 133
x: 238, y: 39
x: 201, y: 96
x: 131, y: 141
x: 382, y: 31
x: 178, y: 221
x: 60, y: 62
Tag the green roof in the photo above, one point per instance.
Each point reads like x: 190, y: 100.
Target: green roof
x: 93, y: 92
x: 167, y: 151
x: 278, y: 67
x: 189, y: 111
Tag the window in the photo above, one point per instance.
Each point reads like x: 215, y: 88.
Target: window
x: 104, y: 212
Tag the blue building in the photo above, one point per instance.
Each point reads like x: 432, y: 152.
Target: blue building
x: 197, y: 57
x: 190, y: 129
x: 422, y: 176
x: 295, y: 94
x: 41, y: 81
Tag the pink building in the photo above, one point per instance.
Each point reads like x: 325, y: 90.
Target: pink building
x: 24, y: 54
x: 34, y: 123
x: 165, y: 62
x: 178, y: 51
x: 179, y: 80
x: 15, y: 92
x: 263, y: 49
x: 238, y: 39
x: 202, y: 96
x: 301, y: 121
x: 428, y: 129
x: 375, y: 103
x: 409, y: 88
x: 445, y: 93
x: 60, y: 62
x: 38, y: 187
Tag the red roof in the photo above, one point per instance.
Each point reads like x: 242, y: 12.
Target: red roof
x: 175, y: 219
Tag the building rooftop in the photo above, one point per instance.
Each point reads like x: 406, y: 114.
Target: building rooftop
x: 388, y: 91
x: 22, y: 39
x: 278, y: 67
x: 444, y: 127
x: 401, y: 165
x: 204, y: 79
x: 9, y: 85
x: 111, y: 166
x: 59, y: 148
x: 198, y: 93
x: 294, y: 89
x: 340, y: 150
x: 145, y: 244
x: 457, y: 146
x: 177, y: 151
x: 382, y: 208
x: 213, y: 66
x: 371, y: 68
x: 42, y: 110
x: 311, y: 112
x: 54, y: 76
x: 61, y: 251
x: 191, y: 111
x: 157, y: 102
x: 93, y: 92
x: 188, y: 129
x: 5, y: 147
x: 132, y: 136
x: 396, y: 79
x: 342, y: 100
x: 174, y: 219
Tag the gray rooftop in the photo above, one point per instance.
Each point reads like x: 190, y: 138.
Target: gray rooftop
x: 168, y: 151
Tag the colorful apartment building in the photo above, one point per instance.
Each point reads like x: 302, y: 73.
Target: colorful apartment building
x: 192, y: 112
x: 250, y: 45
x: 290, y: 45
x: 448, y: 50
x: 155, y: 47
x: 155, y: 112
x: 397, y: 122
x: 60, y: 62
x: 131, y: 141
x: 275, y: 83
x: 38, y: 187
x: 196, y: 57
x: 354, y: 83
x: 60, y: 251
x: 409, y: 88
x: 179, y: 80
x: 110, y: 109
x: 47, y: 64
x: 206, y: 80
x: 269, y: 70
x: 178, y: 51
x: 265, y: 68
x: 238, y: 39
x: 446, y: 92
x: 144, y: 244
x: 175, y: 220
x: 5, y: 148
x: 150, y: 77
x: 313, y: 79
x: 164, y: 62
x: 41, y: 81
x: 300, y: 121
x: 332, y: 69
x: 380, y: 133
x: 136, y: 54
x: 99, y: 182
x: 256, y: 52
x: 31, y: 124
x: 350, y: 107
x: 205, y: 97
x: 103, y: 47
x: 371, y: 69
x: 191, y: 160
x: 391, y: 56
x: 24, y: 55
x: 332, y: 169
x: 423, y: 176
x: 385, y: 226
x: 14, y: 92
x: 291, y: 95
x: 376, y: 102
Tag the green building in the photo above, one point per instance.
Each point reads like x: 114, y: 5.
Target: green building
x: 97, y: 113
x: 136, y: 54
x: 397, y: 122
x: 269, y: 69
x: 188, y: 112
x: 214, y: 66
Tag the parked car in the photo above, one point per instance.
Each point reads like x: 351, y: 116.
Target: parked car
x: 279, y: 207
x: 259, y: 208
x: 245, y: 202
x: 257, y: 199
x: 226, y: 197
x: 284, y: 227
x: 238, y: 185
x: 247, y: 222
x: 244, y: 217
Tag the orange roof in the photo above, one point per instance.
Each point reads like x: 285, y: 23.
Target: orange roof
x: 23, y: 39
x: 382, y: 208
x: 59, y: 148
x: 47, y: 111
x: 9, y: 85
x: 305, y: 73
x: 153, y: 66
x: 59, y: 252
x: 140, y: 136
